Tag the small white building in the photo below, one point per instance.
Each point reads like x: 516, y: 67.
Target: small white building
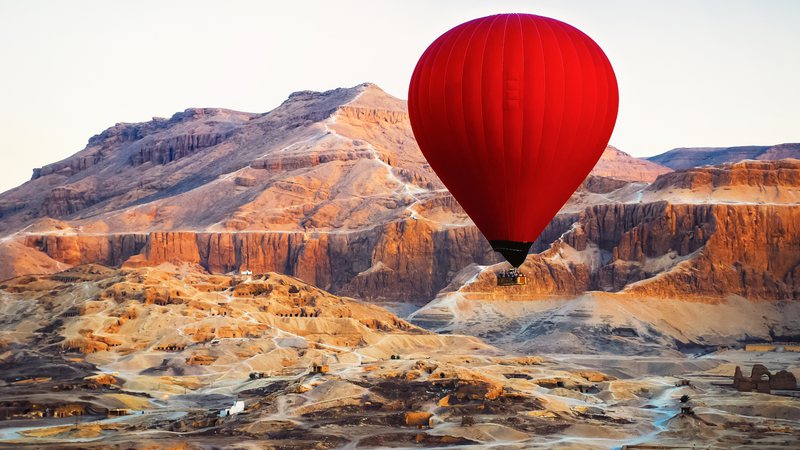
x: 238, y: 406
x: 246, y: 272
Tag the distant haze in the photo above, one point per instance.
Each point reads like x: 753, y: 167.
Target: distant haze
x: 691, y: 73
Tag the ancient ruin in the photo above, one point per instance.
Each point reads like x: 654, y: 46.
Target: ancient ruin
x: 761, y: 380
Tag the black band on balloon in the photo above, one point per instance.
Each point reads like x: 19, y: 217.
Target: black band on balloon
x: 513, y: 251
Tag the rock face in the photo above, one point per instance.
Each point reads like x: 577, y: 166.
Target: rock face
x: 665, y: 250
x: 174, y: 148
x: 685, y: 158
x: 414, y: 261
x: 64, y: 201
x: 781, y: 174
x: 109, y: 250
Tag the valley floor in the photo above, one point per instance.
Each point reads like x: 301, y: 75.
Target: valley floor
x: 552, y: 403
x: 170, y: 348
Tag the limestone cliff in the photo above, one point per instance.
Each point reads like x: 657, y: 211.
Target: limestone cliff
x: 664, y: 250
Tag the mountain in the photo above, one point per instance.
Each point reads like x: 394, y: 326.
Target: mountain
x: 330, y: 187
x: 619, y: 165
x: 688, y: 157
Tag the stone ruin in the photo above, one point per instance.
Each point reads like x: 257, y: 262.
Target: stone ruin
x: 761, y: 380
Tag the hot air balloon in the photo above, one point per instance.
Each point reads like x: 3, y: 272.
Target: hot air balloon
x: 512, y: 112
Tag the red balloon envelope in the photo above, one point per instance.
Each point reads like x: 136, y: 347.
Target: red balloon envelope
x: 512, y: 112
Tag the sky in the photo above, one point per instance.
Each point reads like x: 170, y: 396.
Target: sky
x: 690, y: 73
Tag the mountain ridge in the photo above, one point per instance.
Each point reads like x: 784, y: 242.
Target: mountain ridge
x: 688, y: 157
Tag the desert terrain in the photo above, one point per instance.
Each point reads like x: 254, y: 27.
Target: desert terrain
x: 172, y: 346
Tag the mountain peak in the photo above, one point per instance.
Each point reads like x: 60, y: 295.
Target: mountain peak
x: 614, y: 163
x: 368, y: 95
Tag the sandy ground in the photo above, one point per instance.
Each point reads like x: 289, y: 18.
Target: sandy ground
x: 175, y: 346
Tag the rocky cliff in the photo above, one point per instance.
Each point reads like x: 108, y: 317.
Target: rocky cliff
x: 668, y: 251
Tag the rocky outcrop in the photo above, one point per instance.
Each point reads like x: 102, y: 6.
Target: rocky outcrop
x: 634, y: 232
x: 761, y: 174
x: 245, y: 181
x: 602, y: 185
x: 409, y: 261
x: 754, y: 252
x: 664, y: 250
x: 387, y: 116
x: 63, y: 201
x: 68, y: 167
x: 85, y: 181
x: 288, y: 163
x: 164, y: 151
x: 109, y: 250
x: 401, y: 261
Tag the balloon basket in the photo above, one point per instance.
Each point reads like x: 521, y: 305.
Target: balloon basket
x: 511, y: 277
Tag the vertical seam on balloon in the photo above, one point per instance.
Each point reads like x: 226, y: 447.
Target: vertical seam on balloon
x: 503, y: 121
x: 446, y: 67
x: 564, y: 109
x: 443, y: 94
x: 535, y: 167
x: 577, y: 43
x: 565, y: 29
x: 601, y: 75
x: 482, y: 151
x: 557, y: 135
x: 521, y: 149
x: 482, y: 134
x: 419, y: 81
x: 472, y: 161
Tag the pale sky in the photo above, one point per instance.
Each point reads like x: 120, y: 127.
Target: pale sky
x: 691, y: 73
